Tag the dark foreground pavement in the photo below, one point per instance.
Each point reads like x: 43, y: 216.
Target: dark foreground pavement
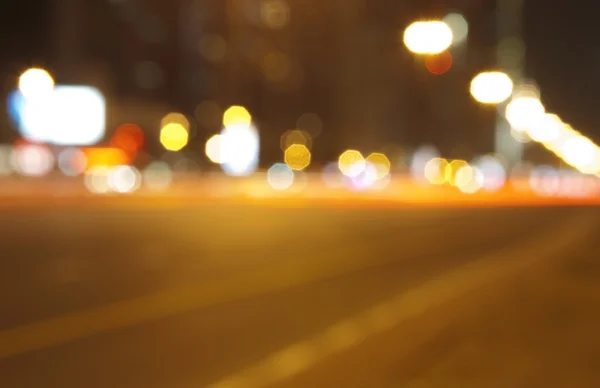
x: 252, y: 295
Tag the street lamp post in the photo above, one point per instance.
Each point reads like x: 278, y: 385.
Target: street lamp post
x: 428, y: 38
x: 510, y: 58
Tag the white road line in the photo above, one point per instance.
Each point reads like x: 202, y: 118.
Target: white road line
x: 300, y: 357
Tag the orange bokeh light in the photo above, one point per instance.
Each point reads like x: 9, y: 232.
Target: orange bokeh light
x: 439, y: 64
x: 129, y: 138
x: 21, y: 141
x: 106, y: 157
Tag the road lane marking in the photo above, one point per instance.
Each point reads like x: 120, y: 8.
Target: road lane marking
x: 77, y: 325
x: 342, y: 335
x: 290, y: 361
x: 470, y: 277
x: 70, y: 327
x: 236, y: 382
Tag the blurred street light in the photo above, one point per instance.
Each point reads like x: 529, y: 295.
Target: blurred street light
x: 493, y: 171
x: 213, y: 149
x: 581, y: 153
x: 297, y: 157
x: 564, y: 133
x: 174, y: 137
x: 65, y: 115
x: 524, y: 112
x: 157, y: 176
x: 492, y: 87
x: 295, y: 136
x: 240, y: 148
x: 236, y: 115
x: 105, y: 157
x: 428, y: 37
x: 547, y: 129
x: 440, y: 63
x: 351, y: 163
x: 280, y: 176
x: 381, y: 163
x: 459, y: 26
x: 435, y: 171
x: 35, y: 82
x: 175, y: 118
x: 451, y: 169
x: 468, y: 179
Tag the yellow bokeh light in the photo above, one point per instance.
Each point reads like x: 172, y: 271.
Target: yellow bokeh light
x: 297, y: 157
x: 275, y: 13
x: 236, y: 115
x: 174, y: 137
x: 381, y: 163
x: 452, y: 168
x: 295, y: 137
x: 428, y: 37
x: 468, y: 179
x: 213, y: 149
x: 464, y: 176
x: 35, y: 82
x: 351, y: 163
x: 435, y: 171
x: 175, y: 118
x: 493, y: 87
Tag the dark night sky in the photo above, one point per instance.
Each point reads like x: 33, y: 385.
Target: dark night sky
x: 564, y: 58
x: 563, y: 52
x: 24, y: 38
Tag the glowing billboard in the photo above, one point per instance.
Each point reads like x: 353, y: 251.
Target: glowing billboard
x: 68, y: 116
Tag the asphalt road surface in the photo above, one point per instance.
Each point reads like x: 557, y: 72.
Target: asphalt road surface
x: 238, y: 295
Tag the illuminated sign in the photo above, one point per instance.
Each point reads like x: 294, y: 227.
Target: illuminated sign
x: 69, y: 116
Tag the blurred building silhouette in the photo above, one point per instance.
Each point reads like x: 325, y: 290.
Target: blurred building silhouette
x: 340, y: 59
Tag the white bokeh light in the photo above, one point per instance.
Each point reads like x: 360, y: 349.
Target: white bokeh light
x: 240, y: 147
x: 492, y: 87
x: 96, y: 180
x: 428, y: 37
x: 459, y: 26
x: 280, y: 176
x: 157, y: 176
x: 67, y: 116
x: 32, y: 160
x: 493, y: 172
x: 420, y: 159
x: 124, y: 179
x: 72, y: 161
x: 524, y: 113
x: 35, y: 83
x: 547, y: 129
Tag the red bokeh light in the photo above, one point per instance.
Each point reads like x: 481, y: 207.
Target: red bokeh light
x: 439, y: 64
x: 129, y: 138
